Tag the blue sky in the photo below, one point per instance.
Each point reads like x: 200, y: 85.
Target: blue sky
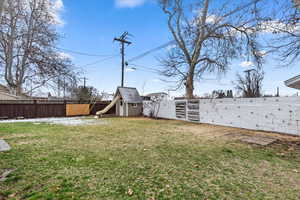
x: 90, y: 26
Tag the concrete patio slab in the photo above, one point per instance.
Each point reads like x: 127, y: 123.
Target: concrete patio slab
x: 4, y: 146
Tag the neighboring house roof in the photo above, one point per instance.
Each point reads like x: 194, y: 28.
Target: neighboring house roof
x: 156, y: 94
x: 107, y: 97
x: 129, y: 95
x: 6, y: 96
x: 3, y: 88
x: 293, y: 82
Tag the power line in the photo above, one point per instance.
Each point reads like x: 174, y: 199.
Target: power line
x: 82, y: 53
x: 152, y: 69
x: 99, y: 61
x: 149, y: 71
x: 83, y: 71
x: 151, y: 51
x: 157, y: 71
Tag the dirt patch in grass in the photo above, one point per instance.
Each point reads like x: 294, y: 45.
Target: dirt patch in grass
x: 240, y: 134
x: 65, y: 121
x: 213, y: 131
x: 287, y: 149
x: 203, y: 130
x: 137, y: 119
x: 252, y: 138
x: 291, y: 145
x: 33, y: 141
x: 19, y: 135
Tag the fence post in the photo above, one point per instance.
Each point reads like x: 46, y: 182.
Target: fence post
x: 65, y: 108
x: 199, y: 110
x: 35, y: 108
x: 186, y: 110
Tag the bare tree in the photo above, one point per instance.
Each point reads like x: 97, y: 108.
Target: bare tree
x: 284, y: 25
x: 63, y: 86
x: 251, y: 84
x: 27, y: 40
x: 85, y: 94
x: 153, y: 105
x: 208, y: 37
x: 222, y: 94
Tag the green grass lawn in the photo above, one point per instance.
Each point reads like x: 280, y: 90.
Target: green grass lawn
x: 144, y: 159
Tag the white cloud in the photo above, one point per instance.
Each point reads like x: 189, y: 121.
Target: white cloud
x: 171, y: 47
x: 129, y: 3
x: 275, y: 26
x: 262, y: 53
x: 246, y: 64
x: 156, y: 80
x: 130, y: 69
x: 56, y: 7
x: 64, y: 55
x: 212, y: 19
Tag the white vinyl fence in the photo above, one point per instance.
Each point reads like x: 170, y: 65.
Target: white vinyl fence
x: 280, y: 114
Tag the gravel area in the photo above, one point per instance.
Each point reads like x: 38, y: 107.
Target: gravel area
x: 67, y: 121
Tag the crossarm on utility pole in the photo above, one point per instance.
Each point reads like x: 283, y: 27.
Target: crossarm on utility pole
x: 123, y: 41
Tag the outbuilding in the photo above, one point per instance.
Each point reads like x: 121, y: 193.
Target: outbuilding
x: 129, y: 103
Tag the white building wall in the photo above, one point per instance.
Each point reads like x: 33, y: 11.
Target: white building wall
x: 163, y: 109
x: 268, y: 114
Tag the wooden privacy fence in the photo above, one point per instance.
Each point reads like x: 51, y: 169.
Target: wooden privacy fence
x: 77, y: 109
x: 45, y: 108
x: 31, y: 109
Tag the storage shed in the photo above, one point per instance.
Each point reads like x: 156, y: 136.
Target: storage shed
x: 129, y: 103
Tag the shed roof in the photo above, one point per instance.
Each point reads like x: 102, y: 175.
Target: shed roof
x: 129, y: 95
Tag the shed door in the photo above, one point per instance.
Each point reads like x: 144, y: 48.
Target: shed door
x: 121, y: 108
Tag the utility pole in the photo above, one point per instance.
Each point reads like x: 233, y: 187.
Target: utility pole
x: 277, y: 93
x: 58, y: 86
x: 84, y: 82
x: 2, y: 4
x: 64, y: 87
x: 123, y: 40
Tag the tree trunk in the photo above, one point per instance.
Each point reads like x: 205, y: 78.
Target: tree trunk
x: 189, y: 87
x: 19, y: 90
